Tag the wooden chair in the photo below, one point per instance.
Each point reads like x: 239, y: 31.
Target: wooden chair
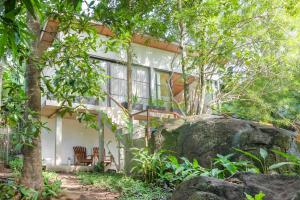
x: 80, y: 156
x: 106, y: 159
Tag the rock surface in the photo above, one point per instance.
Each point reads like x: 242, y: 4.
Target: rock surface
x: 204, y: 137
x: 275, y: 187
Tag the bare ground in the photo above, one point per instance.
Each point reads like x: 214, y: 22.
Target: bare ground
x: 74, y: 190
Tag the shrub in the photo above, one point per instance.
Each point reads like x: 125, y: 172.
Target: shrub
x: 51, y: 188
x: 99, y: 167
x: 148, y: 166
x: 224, y: 167
x: 129, y: 188
x: 166, y: 170
x: 16, y: 166
x: 260, y: 160
x: 259, y: 196
x: 10, y: 189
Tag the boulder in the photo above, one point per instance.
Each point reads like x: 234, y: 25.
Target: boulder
x: 275, y: 187
x: 204, y: 137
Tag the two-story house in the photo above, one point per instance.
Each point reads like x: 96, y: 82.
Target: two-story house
x: 156, y: 75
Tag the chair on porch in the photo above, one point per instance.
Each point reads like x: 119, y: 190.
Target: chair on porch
x: 107, y: 159
x: 80, y: 156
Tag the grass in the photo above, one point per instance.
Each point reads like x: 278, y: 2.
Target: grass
x: 129, y: 188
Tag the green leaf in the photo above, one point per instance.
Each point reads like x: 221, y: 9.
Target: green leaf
x: 278, y: 165
x: 263, y: 153
x: 30, y: 7
x: 248, y: 154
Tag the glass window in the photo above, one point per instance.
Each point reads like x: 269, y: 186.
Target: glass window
x: 118, y: 86
x: 141, y: 84
x: 162, y: 88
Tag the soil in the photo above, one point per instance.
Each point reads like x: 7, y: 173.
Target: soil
x: 74, y: 190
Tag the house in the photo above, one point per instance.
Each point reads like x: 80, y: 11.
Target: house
x: 155, y: 63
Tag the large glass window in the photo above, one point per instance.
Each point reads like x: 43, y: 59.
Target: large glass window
x: 141, y: 84
x: 162, y: 86
x: 118, y: 87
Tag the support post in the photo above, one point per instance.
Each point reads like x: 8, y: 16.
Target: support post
x: 58, y: 139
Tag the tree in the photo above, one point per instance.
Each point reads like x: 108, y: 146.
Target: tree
x: 229, y: 40
x: 127, y: 18
x: 75, y: 74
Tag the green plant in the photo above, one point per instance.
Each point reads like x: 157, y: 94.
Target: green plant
x: 156, y: 102
x: 51, y: 188
x: 260, y: 161
x: 228, y: 167
x: 99, y: 167
x: 259, y: 196
x: 291, y: 159
x: 178, y: 171
x: 146, y: 165
x: 11, y: 190
x: 52, y: 185
x: 129, y: 188
x: 16, y: 166
x: 135, y: 99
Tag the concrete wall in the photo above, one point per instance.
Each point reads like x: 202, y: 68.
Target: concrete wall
x: 143, y: 55
x: 73, y: 134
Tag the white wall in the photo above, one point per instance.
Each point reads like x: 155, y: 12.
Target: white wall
x: 48, y: 141
x: 74, y: 134
x: 143, y: 55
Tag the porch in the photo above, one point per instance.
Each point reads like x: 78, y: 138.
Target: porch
x: 66, y: 133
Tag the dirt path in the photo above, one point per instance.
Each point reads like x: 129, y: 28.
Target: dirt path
x: 74, y: 190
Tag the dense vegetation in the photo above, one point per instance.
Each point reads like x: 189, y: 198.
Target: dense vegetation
x: 155, y: 176
x: 252, y: 46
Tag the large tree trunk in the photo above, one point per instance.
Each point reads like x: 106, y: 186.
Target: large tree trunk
x: 32, y: 167
x: 183, y: 39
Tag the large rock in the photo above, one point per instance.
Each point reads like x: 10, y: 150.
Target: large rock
x: 275, y: 187
x: 204, y: 137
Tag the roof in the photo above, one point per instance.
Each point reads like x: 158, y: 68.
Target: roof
x: 51, y: 27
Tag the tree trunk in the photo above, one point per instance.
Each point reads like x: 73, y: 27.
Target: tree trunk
x: 101, y: 138
x: 1, y: 75
x: 32, y: 167
x: 183, y: 39
x: 128, y: 143
x: 202, y: 90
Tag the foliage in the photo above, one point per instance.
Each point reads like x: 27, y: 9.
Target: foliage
x: 129, y: 188
x: 177, y: 171
x: 164, y: 169
x: 260, y: 161
x: 146, y: 164
x: 292, y: 160
x: 16, y: 166
x: 52, y: 188
x: 259, y: 196
x: 99, y: 167
x: 227, y: 167
x: 11, y: 190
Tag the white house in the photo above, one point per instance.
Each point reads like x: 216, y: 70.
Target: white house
x: 155, y: 62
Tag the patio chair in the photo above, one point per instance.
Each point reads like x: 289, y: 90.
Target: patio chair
x: 107, y: 159
x: 80, y: 156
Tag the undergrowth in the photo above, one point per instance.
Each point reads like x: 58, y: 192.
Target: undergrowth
x: 129, y: 188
